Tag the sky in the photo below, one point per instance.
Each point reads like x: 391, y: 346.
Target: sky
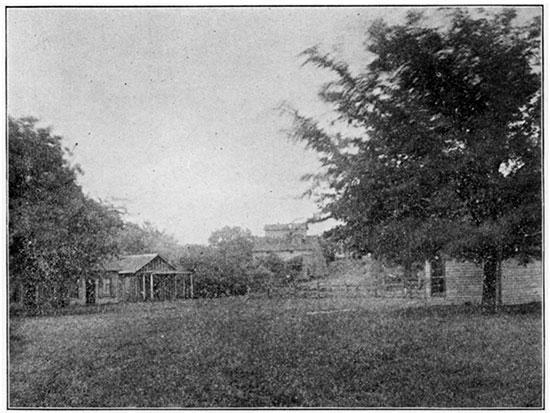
x: 172, y: 112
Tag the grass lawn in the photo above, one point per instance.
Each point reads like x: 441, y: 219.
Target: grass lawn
x: 278, y: 352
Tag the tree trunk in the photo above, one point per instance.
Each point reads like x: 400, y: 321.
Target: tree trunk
x: 491, y: 281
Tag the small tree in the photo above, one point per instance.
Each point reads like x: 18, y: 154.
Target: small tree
x: 234, y: 244
x: 224, y: 267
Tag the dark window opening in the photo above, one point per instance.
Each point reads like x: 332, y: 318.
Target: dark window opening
x: 437, y: 276
x: 90, y: 291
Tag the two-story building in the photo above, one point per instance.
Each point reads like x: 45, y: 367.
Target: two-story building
x: 290, y: 241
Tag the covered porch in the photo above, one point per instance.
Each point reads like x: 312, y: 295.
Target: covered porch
x: 164, y: 285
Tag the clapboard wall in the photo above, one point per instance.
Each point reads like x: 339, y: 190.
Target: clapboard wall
x: 521, y: 283
x: 464, y: 282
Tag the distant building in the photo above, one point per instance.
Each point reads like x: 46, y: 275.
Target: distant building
x: 281, y: 231
x: 290, y: 241
x: 145, y: 277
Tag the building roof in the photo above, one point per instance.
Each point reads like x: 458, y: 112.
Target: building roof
x: 268, y: 244
x: 281, y: 227
x: 130, y: 264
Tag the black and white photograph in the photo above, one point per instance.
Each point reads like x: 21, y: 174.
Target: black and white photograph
x: 274, y: 207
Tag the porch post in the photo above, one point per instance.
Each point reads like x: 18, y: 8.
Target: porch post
x: 152, y: 287
x: 191, y: 286
x: 428, y: 278
x: 143, y: 286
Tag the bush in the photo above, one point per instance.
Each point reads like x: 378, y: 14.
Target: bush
x: 215, y: 280
x: 217, y: 275
x: 260, y: 278
x: 214, y: 274
x: 283, y: 272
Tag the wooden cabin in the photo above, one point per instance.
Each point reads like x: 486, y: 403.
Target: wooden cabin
x: 462, y: 282
x: 131, y: 278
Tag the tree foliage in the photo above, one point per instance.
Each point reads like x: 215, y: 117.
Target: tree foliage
x: 224, y: 267
x: 56, y: 233
x: 227, y: 267
x: 278, y: 272
x: 143, y: 239
x: 445, y: 153
x: 214, y: 276
x: 234, y: 244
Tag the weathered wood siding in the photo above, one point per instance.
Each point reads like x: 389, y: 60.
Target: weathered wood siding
x: 521, y: 283
x: 111, y: 294
x: 464, y: 282
x: 112, y: 286
x: 130, y: 288
x: 158, y: 264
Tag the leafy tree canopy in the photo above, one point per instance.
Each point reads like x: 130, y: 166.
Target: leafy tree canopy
x: 448, y: 154
x: 225, y: 266
x: 56, y: 233
x: 146, y: 238
x: 234, y: 243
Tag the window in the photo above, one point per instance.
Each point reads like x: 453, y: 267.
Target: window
x: 437, y: 278
x: 106, y: 287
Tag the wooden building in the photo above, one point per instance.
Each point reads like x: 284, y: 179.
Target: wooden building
x: 462, y: 282
x: 147, y: 277
x: 290, y: 242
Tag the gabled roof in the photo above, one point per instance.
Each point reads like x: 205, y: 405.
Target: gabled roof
x: 130, y: 264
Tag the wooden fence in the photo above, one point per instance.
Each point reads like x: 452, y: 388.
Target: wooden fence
x: 348, y: 290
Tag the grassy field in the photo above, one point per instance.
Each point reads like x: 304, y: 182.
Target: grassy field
x: 278, y: 352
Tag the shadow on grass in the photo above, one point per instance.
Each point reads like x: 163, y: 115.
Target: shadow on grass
x: 441, y: 311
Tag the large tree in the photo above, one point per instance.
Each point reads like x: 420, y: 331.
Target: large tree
x: 56, y: 233
x: 440, y: 144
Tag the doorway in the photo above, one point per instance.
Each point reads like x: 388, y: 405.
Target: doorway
x: 90, y: 291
